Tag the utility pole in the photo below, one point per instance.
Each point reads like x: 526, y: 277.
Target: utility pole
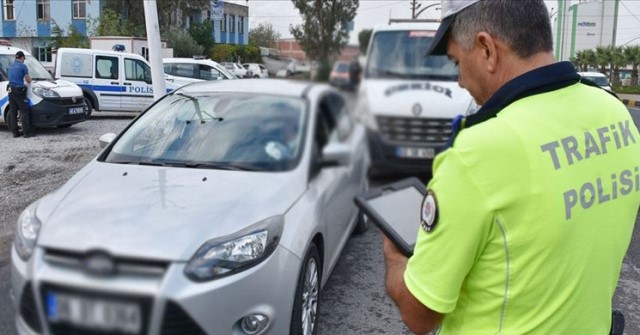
x: 414, y: 8
x: 155, y: 48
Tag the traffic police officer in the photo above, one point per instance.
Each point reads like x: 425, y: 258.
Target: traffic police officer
x: 531, y: 209
x: 18, y: 74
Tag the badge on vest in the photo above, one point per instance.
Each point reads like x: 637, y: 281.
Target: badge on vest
x: 429, y: 212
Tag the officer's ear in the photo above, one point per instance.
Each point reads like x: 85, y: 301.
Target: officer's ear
x: 489, y: 50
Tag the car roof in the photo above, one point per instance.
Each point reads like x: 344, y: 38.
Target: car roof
x: 8, y: 50
x: 290, y: 88
x: 188, y: 60
x: 408, y: 26
x: 592, y: 74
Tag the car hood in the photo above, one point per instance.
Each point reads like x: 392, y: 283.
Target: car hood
x: 62, y: 87
x: 436, y: 99
x: 157, y: 212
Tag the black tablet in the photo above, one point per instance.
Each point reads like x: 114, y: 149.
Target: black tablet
x: 395, y: 209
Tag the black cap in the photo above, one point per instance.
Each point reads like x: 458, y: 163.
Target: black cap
x: 450, y: 8
x: 19, y: 54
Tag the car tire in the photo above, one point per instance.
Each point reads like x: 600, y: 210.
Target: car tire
x: 304, y: 318
x: 89, y: 106
x: 63, y: 126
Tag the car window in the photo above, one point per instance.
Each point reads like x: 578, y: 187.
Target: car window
x: 208, y: 73
x: 106, y: 67
x: 246, y: 66
x: 252, y: 131
x: 137, y: 70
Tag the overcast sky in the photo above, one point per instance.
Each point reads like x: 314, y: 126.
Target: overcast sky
x: 281, y: 14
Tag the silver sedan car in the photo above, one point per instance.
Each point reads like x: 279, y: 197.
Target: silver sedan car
x: 222, y: 209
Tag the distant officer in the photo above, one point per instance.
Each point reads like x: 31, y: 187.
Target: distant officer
x: 18, y: 75
x: 531, y: 209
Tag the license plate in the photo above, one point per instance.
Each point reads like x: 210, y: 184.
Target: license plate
x: 76, y: 110
x: 89, y: 313
x: 418, y: 153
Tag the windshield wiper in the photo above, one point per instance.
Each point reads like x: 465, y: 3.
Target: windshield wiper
x: 223, y: 166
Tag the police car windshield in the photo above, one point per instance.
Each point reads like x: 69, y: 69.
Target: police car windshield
x: 36, y: 70
x: 600, y: 81
x: 401, y: 54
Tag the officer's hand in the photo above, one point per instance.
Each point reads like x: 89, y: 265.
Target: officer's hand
x: 391, y: 253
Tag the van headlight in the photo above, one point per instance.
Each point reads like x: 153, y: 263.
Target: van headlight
x: 27, y: 232
x: 225, y: 256
x: 45, y: 92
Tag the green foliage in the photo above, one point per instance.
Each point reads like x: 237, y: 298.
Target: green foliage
x: 110, y: 24
x: 324, y: 70
x: 201, y: 33
x: 321, y: 34
x: 182, y: 43
x: 626, y: 89
x: 70, y: 39
x: 632, y: 56
x: 363, y: 38
x: 264, y: 35
x: 236, y: 53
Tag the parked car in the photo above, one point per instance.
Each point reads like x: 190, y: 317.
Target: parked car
x: 182, y: 71
x: 339, y: 76
x: 257, y: 70
x: 237, y: 69
x: 54, y: 103
x: 110, y: 80
x: 598, y: 78
x: 221, y: 209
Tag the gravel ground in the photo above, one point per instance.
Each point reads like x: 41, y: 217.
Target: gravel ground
x: 33, y: 167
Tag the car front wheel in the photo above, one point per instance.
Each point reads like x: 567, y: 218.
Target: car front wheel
x: 304, y: 319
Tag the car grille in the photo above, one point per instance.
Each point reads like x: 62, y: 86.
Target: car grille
x: 28, y: 309
x: 177, y: 322
x: 73, y: 117
x: 124, y: 266
x: 66, y: 101
x: 415, y: 130
x: 145, y: 304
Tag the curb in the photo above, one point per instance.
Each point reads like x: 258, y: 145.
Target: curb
x: 631, y: 103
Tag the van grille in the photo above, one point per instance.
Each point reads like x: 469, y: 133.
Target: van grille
x: 415, y: 130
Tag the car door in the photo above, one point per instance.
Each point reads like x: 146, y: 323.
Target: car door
x: 206, y: 72
x: 107, y: 84
x: 334, y: 200
x: 137, y: 82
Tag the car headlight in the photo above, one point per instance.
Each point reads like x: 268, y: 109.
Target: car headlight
x: 45, y: 92
x: 472, y: 109
x: 27, y: 232
x: 224, y: 256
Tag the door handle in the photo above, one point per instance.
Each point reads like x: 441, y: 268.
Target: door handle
x: 114, y: 83
x: 128, y: 84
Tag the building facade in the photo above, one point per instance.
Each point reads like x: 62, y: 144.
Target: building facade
x: 28, y: 24
x: 584, y: 25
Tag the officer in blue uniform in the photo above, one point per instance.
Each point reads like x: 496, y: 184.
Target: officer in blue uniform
x: 18, y: 75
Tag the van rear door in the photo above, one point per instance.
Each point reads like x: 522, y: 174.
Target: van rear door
x: 107, y: 84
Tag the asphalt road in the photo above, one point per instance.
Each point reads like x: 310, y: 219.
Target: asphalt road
x: 353, y: 301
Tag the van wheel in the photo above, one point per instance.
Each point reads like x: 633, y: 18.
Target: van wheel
x: 89, y: 106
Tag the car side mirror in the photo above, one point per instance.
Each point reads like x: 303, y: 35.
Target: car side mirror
x: 106, y: 139
x: 335, y: 154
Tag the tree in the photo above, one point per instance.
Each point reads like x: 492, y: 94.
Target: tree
x: 182, y: 43
x: 322, y: 34
x: 72, y: 38
x: 603, y: 58
x: 110, y: 24
x: 632, y: 56
x: 264, y: 35
x: 201, y: 33
x: 363, y: 38
x: 617, y: 61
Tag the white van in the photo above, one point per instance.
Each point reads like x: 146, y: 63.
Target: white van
x: 110, y: 80
x: 408, y: 100
x: 182, y: 71
x: 54, y: 103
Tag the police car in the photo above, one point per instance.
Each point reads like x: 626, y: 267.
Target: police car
x: 54, y: 103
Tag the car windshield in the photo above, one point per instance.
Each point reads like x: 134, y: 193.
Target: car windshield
x: 401, y: 54
x: 341, y: 67
x: 36, y: 70
x: 600, y: 81
x: 234, y: 131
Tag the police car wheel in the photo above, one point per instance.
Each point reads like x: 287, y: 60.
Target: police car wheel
x: 89, y: 106
x: 304, y: 318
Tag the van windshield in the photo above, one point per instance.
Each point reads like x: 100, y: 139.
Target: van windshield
x: 36, y: 70
x: 401, y: 54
